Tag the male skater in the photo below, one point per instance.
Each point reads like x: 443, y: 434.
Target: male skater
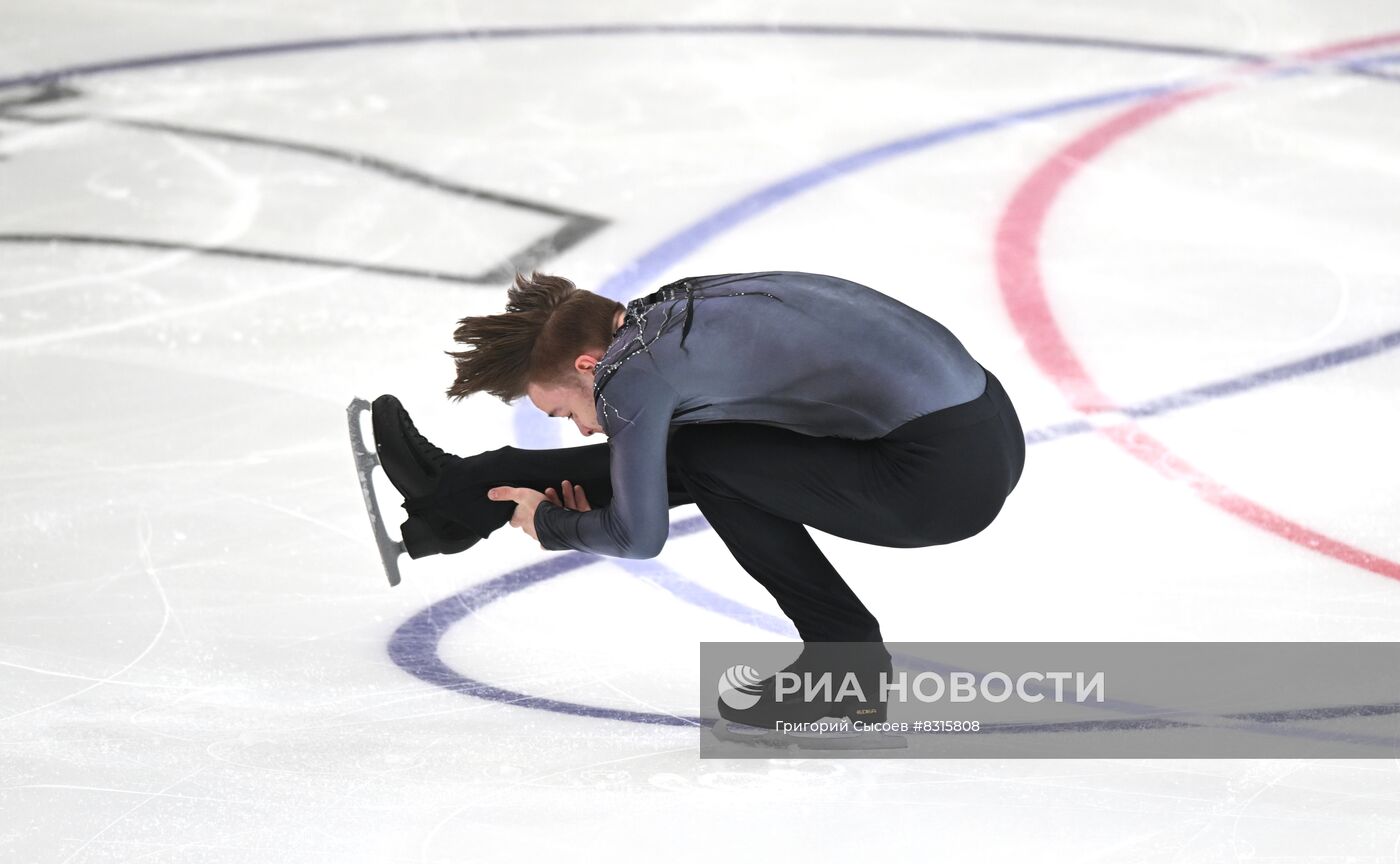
x: 773, y: 401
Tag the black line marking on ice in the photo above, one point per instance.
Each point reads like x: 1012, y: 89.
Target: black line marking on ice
x: 247, y: 254
x: 577, y: 226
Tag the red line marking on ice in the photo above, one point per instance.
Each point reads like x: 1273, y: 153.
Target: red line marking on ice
x: 1023, y: 291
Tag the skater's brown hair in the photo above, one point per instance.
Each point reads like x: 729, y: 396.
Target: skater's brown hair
x: 548, y: 322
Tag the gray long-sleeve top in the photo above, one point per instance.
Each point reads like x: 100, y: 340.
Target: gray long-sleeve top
x: 815, y: 354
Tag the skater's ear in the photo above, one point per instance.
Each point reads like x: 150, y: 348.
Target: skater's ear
x: 588, y: 360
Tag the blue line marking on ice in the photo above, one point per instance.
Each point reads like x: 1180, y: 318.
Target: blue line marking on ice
x: 532, y: 428
x: 629, y: 280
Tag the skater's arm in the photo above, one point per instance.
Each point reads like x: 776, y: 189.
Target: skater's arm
x: 636, y: 522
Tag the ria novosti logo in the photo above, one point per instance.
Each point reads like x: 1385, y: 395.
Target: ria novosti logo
x: 739, y: 687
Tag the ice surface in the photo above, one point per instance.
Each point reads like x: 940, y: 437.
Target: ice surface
x: 203, y: 260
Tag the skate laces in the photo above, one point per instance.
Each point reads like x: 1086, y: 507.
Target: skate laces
x: 435, y: 457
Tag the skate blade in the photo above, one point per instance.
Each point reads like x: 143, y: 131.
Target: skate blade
x: 365, y: 460
x: 740, y: 733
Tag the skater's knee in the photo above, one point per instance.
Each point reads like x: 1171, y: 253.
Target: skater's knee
x: 941, y: 526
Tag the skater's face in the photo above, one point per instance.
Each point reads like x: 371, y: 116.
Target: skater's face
x: 574, y: 400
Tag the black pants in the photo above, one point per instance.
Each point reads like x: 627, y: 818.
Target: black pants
x: 937, y: 479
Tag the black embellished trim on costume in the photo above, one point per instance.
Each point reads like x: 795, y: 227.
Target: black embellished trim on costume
x: 660, y: 295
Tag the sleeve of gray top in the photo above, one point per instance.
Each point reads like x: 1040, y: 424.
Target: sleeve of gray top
x: 636, y: 522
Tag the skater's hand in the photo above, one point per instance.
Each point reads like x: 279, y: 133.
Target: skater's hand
x: 526, y: 500
x: 574, y: 499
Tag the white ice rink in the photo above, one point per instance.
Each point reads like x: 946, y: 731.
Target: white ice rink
x: 1171, y: 229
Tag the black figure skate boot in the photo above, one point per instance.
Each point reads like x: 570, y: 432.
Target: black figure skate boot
x: 417, y: 467
x: 829, y: 720
x: 445, y: 495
